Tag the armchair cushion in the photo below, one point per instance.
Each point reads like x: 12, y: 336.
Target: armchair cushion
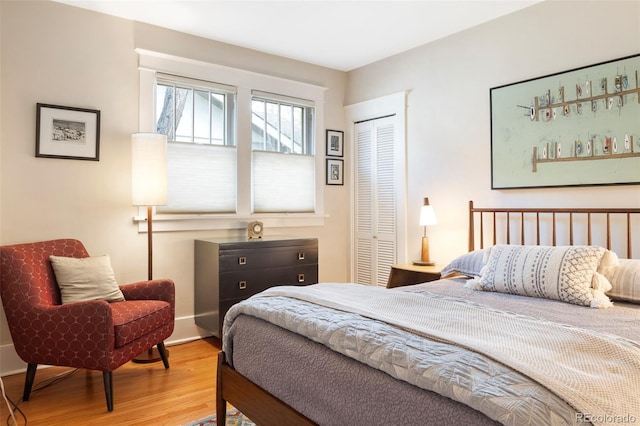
x: 86, y: 278
x: 135, y: 318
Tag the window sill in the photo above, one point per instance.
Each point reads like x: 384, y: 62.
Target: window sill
x: 165, y: 223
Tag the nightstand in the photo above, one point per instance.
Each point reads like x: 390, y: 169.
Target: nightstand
x: 408, y: 274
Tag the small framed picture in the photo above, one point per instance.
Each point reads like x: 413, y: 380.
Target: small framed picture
x: 335, y: 171
x: 335, y: 143
x: 67, y: 132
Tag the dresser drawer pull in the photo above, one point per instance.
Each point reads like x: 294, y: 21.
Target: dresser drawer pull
x: 301, y: 256
x: 242, y: 285
x: 242, y: 260
x: 300, y: 278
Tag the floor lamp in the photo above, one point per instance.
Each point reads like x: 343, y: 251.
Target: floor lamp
x: 427, y: 217
x: 149, y: 188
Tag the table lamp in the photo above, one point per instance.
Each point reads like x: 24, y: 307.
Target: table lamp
x: 427, y: 217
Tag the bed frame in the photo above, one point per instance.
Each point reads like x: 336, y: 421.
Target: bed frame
x: 493, y: 225
x: 530, y: 225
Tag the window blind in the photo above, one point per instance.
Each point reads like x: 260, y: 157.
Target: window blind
x: 194, y: 83
x: 283, y: 183
x: 283, y: 98
x: 201, y: 179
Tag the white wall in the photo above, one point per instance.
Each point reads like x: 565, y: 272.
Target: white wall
x: 448, y: 117
x: 57, y: 54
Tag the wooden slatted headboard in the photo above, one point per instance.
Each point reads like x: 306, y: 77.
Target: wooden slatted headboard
x: 617, y: 229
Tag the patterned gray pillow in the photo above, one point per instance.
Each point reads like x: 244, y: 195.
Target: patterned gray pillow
x: 566, y: 273
x: 469, y: 264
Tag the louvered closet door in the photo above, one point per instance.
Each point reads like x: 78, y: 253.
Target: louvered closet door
x: 375, y: 195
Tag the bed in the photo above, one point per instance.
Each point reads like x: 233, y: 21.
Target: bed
x: 490, y: 343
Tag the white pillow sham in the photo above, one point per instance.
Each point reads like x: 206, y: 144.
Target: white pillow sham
x: 86, y: 278
x: 625, y: 281
x: 566, y: 273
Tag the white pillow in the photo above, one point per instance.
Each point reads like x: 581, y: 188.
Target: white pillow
x: 86, y: 278
x: 608, y: 264
x: 566, y: 273
x: 625, y: 281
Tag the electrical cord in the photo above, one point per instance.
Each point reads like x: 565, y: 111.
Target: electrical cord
x: 11, y: 410
x: 38, y: 387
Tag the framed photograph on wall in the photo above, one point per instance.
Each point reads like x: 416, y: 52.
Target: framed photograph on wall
x: 335, y: 171
x: 67, y: 132
x: 335, y: 143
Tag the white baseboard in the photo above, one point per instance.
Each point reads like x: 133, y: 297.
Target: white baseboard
x: 185, y: 330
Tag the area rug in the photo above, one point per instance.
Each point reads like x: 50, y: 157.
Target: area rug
x: 234, y: 418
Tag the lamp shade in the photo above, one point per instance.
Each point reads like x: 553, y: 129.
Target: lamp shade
x: 427, y: 215
x: 148, y: 169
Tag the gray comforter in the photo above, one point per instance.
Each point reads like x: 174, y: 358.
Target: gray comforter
x: 469, y: 377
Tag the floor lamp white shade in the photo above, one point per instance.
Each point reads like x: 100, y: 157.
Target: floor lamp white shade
x: 148, y: 169
x: 149, y: 179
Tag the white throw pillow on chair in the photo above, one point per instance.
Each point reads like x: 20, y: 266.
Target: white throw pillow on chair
x: 86, y: 278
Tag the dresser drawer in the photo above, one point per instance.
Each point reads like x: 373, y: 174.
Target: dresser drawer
x: 251, y: 259
x: 244, y: 284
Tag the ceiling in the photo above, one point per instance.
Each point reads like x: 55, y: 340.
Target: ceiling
x: 342, y: 35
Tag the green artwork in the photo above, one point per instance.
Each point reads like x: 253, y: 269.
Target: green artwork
x: 578, y: 127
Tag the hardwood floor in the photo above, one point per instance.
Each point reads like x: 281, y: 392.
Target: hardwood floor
x: 143, y: 394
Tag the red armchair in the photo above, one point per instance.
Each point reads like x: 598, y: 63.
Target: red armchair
x: 94, y: 335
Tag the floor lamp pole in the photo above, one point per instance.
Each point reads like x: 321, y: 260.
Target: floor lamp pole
x: 152, y: 354
x: 150, y: 241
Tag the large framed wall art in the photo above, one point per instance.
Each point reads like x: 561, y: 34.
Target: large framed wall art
x: 572, y: 128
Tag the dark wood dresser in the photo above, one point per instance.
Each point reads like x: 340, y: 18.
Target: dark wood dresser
x: 230, y: 270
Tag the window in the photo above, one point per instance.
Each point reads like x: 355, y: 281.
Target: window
x: 283, y: 162
x: 281, y: 126
x: 197, y: 118
x: 186, y: 113
x: 237, y: 151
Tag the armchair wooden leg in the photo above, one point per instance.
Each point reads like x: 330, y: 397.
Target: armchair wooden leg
x: 164, y: 355
x: 152, y: 355
x: 28, y: 381
x: 107, y: 377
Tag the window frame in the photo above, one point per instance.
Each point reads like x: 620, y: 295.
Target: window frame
x: 246, y: 82
x: 215, y: 154
x: 271, y: 179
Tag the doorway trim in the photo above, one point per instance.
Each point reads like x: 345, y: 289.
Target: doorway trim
x: 390, y: 105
